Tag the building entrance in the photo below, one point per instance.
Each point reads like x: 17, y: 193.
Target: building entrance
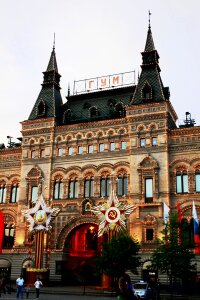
x: 81, y: 247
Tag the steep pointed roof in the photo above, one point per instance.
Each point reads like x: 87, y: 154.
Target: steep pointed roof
x: 52, y: 66
x: 49, y: 101
x: 150, y: 87
x: 149, y: 42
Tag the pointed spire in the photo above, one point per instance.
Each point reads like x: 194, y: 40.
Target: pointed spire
x: 52, y: 66
x: 149, y: 42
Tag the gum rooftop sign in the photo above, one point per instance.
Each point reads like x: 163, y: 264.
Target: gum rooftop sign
x: 104, y: 82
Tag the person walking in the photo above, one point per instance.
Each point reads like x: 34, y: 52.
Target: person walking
x: 20, y: 287
x: 38, y: 285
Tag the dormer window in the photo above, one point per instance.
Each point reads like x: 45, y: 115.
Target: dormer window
x: 147, y: 92
x: 41, y: 109
x: 93, y: 112
x: 119, y: 110
x: 67, y: 116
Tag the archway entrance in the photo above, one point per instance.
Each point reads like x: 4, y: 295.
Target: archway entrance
x: 81, y: 247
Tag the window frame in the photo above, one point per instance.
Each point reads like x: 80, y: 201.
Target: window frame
x: 148, y: 189
x: 101, y: 147
x: 142, y: 142
x: 122, y: 185
x: 182, y: 186
x: 89, y: 187
x: 58, y: 190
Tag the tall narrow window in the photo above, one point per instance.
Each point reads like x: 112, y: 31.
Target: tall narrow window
x: 34, y: 194
x: 112, y: 146
x: 80, y: 149
x: 73, y: 188
x: 101, y: 147
x: 181, y: 182
x: 2, y: 193
x: 90, y: 149
x: 154, y: 141
x: 105, y: 186
x: 58, y: 190
x: 142, y: 142
x: 197, y: 181
x: 41, y: 153
x: 14, y: 193
x: 33, y: 154
x: 89, y: 187
x: 122, y: 185
x: 148, y: 190
x: 60, y: 151
x: 70, y: 151
x: 123, y: 145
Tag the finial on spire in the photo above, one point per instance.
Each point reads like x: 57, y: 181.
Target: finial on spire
x: 149, y: 19
x: 54, y: 41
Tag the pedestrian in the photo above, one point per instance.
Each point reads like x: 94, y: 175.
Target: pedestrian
x: 38, y: 285
x: 20, y: 287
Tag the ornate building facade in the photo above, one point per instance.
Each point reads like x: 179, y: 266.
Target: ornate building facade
x: 72, y: 149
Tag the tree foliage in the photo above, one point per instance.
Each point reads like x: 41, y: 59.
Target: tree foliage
x: 172, y: 255
x: 118, y: 255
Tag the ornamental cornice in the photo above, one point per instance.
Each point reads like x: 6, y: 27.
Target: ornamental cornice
x: 185, y: 131
x: 10, y: 165
x: 37, y: 132
x: 92, y: 125
x: 147, y: 118
x: 183, y: 148
x: 7, y: 151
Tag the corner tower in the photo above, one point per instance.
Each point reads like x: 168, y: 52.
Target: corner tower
x: 49, y: 101
x: 150, y: 87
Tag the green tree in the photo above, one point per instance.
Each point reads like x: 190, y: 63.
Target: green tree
x: 118, y: 255
x: 172, y: 255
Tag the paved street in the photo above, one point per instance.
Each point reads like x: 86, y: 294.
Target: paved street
x: 59, y: 297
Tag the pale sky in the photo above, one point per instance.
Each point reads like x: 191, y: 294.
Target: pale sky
x: 94, y: 38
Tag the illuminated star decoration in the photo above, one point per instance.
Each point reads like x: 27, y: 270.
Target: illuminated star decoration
x: 40, y: 215
x: 112, y: 214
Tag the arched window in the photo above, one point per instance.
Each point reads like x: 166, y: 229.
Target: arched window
x: 181, y: 182
x: 67, y: 116
x: 122, y: 185
x: 41, y: 108
x: 2, y: 193
x: 197, y: 181
x: 89, y: 187
x: 93, y: 112
x: 119, y: 110
x: 14, y: 193
x: 105, y: 186
x: 147, y: 92
x: 73, y: 188
x: 58, y: 189
x: 8, y: 239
